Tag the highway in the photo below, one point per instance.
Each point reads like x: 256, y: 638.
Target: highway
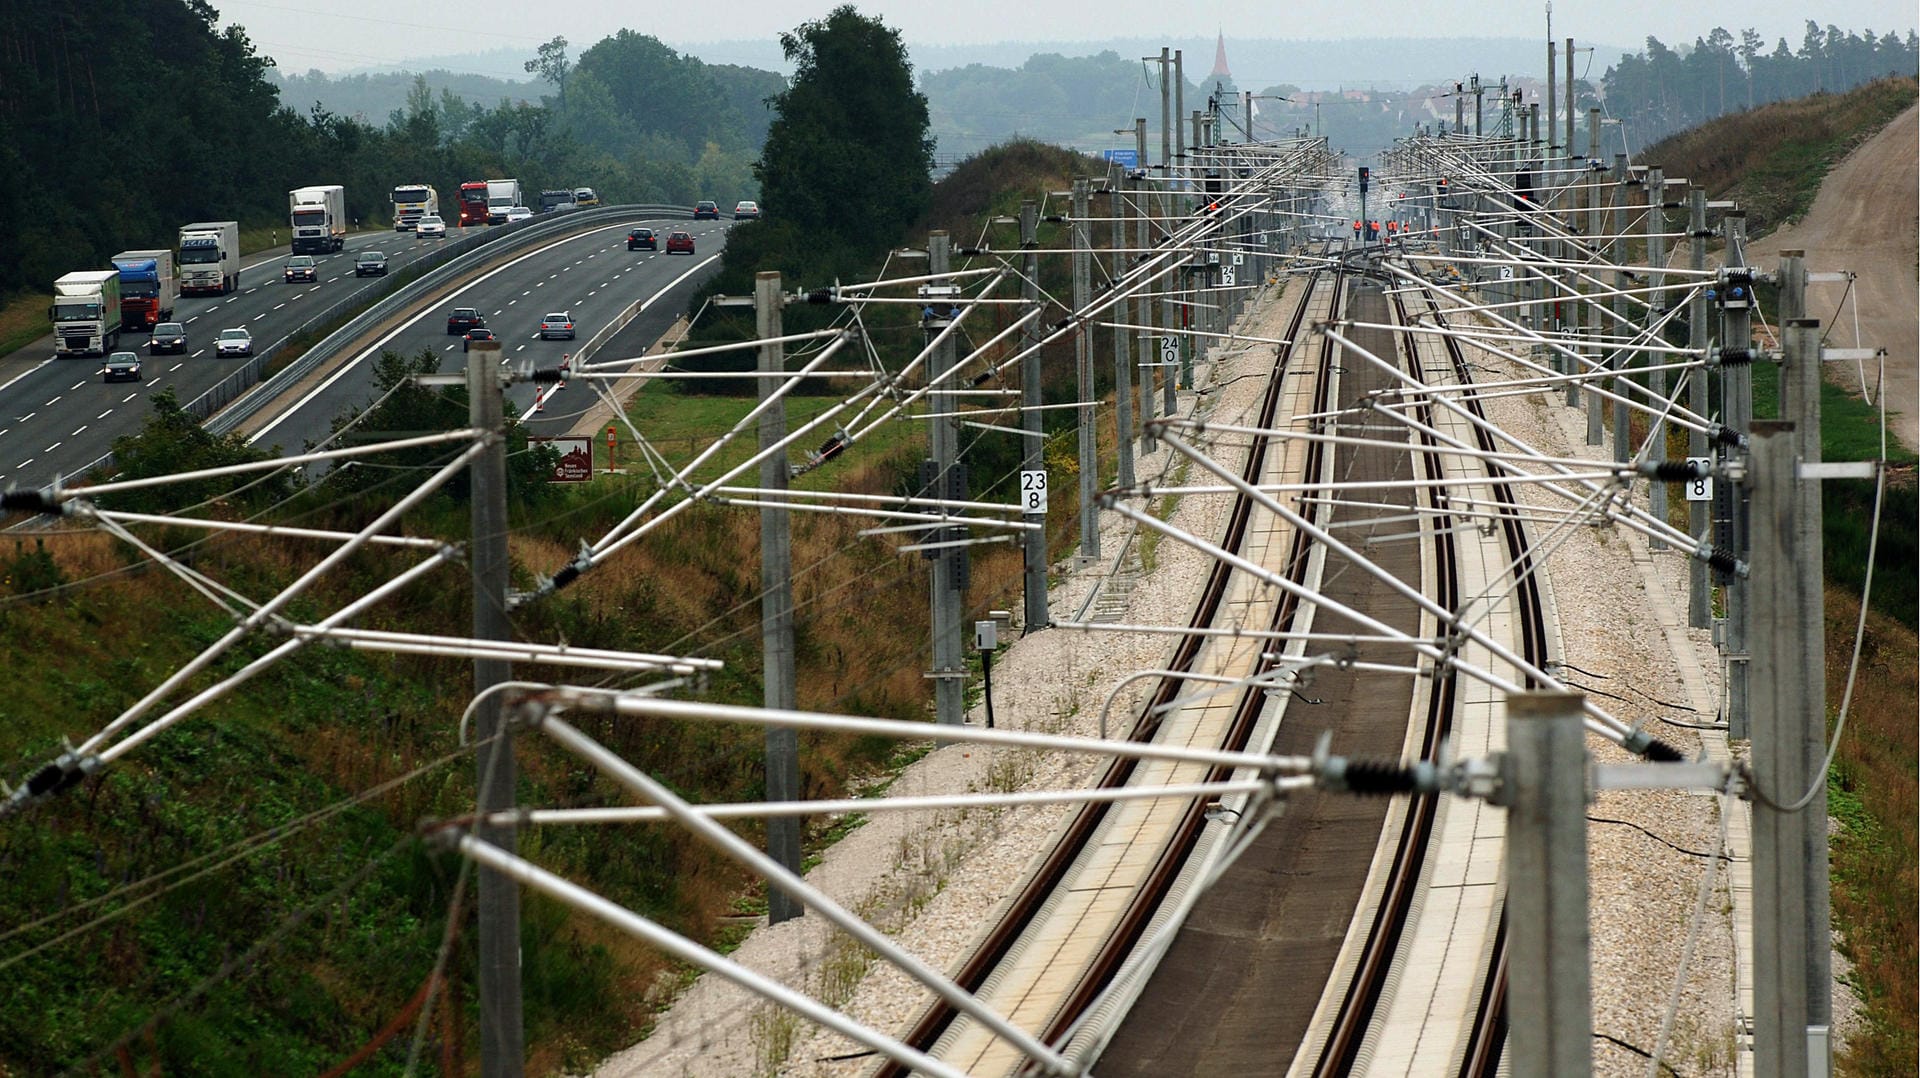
x: 57, y: 416
x: 592, y: 276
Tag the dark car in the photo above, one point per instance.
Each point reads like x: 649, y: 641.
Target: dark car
x: 679, y: 242
x: 706, y: 211
x: 477, y: 333
x: 302, y: 268
x: 642, y: 239
x: 121, y: 367
x: 463, y: 319
x: 168, y: 337
x: 370, y: 264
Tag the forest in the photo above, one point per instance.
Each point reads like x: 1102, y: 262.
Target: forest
x: 1663, y: 90
x: 122, y: 119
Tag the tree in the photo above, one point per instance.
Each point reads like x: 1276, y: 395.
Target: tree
x: 848, y: 155
x: 174, y: 441
x: 551, y: 65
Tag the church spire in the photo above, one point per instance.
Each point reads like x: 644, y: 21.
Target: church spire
x: 1220, y: 59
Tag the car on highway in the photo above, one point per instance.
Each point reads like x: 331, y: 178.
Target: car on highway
x: 642, y: 239
x: 233, y: 342
x: 477, y: 333
x: 370, y: 264
x: 168, y: 337
x: 463, y: 319
x: 706, y: 211
x: 679, y: 242
x: 301, y: 268
x: 585, y: 196
x: 431, y: 226
x: 557, y: 326
x: 745, y: 210
x: 519, y: 213
x: 121, y: 367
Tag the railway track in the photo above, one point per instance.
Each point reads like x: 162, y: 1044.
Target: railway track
x: 1228, y: 995
x: 1158, y: 837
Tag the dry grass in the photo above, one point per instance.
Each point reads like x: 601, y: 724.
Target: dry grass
x: 1873, y: 799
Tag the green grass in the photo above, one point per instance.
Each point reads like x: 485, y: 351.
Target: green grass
x: 682, y: 425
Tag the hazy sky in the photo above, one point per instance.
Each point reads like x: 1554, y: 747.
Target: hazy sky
x: 339, y: 35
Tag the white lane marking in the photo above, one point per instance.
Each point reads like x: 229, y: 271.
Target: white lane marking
x: 374, y: 349
x: 198, y: 354
x: 528, y: 292
x: 277, y: 306
x: 78, y: 433
x: 102, y: 415
x: 252, y: 290
x: 520, y: 348
x: 25, y: 462
x: 80, y: 383
x: 28, y: 416
x: 128, y: 397
x: 449, y: 348
x: 53, y: 447
x: 511, y: 302
x: 5, y: 432
x: 175, y: 367
x: 595, y: 292
x: 53, y: 402
x: 192, y: 320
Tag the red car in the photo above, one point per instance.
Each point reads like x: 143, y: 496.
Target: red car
x: 679, y: 242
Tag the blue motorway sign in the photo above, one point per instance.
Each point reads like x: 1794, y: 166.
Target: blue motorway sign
x: 1128, y: 159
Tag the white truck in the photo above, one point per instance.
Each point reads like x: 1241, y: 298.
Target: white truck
x: 502, y: 195
x: 148, y: 288
x: 86, y: 313
x: 210, y: 257
x: 412, y: 201
x: 318, y: 218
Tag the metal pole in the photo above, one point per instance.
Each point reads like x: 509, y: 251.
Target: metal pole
x: 1570, y: 102
x: 1656, y: 188
x: 1149, y: 347
x: 1125, y: 430
x: 1083, y: 372
x: 1699, y: 514
x: 1736, y: 387
x: 1166, y: 116
x: 1553, y: 99
x: 502, y: 1029
x: 1544, y: 786
x: 948, y: 481
x: 1807, y: 734
x: 1789, y: 688
x: 780, y: 688
x: 1594, y: 406
x: 1179, y: 110
x: 1034, y: 440
x: 1620, y: 361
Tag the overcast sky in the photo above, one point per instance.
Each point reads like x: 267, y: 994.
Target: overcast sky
x: 341, y: 35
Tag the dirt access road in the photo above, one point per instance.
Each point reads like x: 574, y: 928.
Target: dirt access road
x: 1867, y: 219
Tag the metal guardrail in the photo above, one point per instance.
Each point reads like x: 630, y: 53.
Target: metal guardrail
x: 247, y: 393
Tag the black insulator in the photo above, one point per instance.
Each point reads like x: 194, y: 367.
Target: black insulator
x: 1677, y: 471
x: 565, y: 576
x: 1723, y: 560
x: 1661, y: 752
x: 1055, y: 218
x: 547, y: 376
x: 1378, y: 777
x: 1727, y: 436
x: 32, y: 501
x: 45, y: 780
x: 1736, y: 357
x: 969, y: 252
x: 820, y: 296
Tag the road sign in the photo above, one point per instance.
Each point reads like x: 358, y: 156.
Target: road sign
x: 1124, y: 158
x: 576, y: 458
x: 1700, y: 488
x: 1033, y: 492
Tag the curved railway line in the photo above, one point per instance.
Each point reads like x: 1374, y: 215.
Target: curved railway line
x: 1297, y: 958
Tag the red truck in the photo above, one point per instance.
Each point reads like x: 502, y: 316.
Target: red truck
x: 473, y: 203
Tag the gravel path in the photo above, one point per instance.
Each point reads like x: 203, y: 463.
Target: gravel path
x: 933, y: 880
